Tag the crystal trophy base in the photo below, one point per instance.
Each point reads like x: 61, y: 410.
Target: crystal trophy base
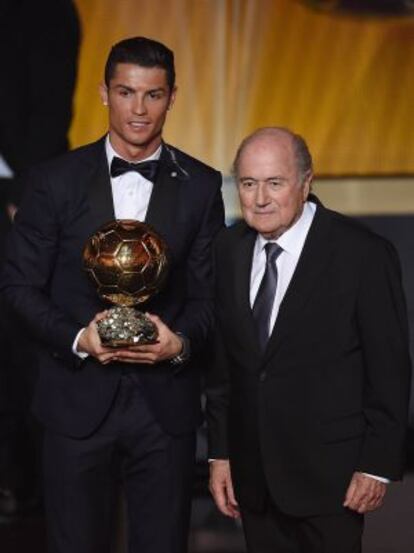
x: 125, y: 326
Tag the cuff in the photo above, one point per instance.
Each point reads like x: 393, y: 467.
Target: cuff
x: 379, y: 478
x: 185, y: 352
x: 80, y: 354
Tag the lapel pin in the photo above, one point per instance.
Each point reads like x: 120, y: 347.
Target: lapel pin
x: 174, y: 174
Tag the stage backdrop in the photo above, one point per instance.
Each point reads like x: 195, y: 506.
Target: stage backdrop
x: 345, y: 83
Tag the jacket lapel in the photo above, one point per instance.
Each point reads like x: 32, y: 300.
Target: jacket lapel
x: 242, y: 268
x: 312, y: 263
x: 100, y: 191
x: 162, y: 206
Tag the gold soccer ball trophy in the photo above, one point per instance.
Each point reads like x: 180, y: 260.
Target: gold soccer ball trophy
x: 127, y: 262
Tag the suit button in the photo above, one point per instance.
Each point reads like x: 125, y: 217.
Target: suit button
x: 262, y: 376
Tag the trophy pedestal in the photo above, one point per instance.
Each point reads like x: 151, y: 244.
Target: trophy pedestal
x: 125, y: 326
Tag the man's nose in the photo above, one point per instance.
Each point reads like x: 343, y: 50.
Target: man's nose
x: 139, y: 105
x: 262, y: 197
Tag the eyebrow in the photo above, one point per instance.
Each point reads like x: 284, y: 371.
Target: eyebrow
x: 130, y: 89
x: 124, y: 87
x: 267, y: 179
x: 159, y: 89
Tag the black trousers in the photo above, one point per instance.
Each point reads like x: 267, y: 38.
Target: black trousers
x: 82, y: 478
x: 272, y: 531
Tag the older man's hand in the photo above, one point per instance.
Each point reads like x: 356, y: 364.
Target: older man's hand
x: 221, y: 488
x: 364, y: 493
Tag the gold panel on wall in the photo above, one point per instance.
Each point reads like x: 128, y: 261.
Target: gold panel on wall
x: 345, y: 83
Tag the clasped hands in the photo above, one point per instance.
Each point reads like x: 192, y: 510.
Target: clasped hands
x: 364, y: 493
x: 168, y: 345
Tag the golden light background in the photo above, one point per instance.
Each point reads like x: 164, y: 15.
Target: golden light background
x: 345, y: 83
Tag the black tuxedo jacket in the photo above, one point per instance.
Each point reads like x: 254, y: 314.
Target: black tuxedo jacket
x: 67, y: 200
x: 329, y: 395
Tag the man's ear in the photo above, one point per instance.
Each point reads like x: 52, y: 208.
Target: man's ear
x: 307, y: 185
x: 103, y: 92
x: 172, y: 97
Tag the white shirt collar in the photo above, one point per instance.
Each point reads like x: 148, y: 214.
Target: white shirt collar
x: 111, y: 153
x: 292, y: 240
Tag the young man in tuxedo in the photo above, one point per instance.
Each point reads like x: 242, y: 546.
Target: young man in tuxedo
x: 308, y: 394
x: 130, y: 413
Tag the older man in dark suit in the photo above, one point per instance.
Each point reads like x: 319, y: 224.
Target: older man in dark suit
x: 117, y: 413
x: 308, y: 393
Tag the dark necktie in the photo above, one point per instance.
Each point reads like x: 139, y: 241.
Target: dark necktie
x: 148, y: 169
x: 262, y: 308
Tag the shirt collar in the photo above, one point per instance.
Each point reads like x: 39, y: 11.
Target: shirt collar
x: 292, y: 240
x: 111, y: 153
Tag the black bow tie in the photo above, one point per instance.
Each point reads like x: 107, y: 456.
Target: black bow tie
x: 148, y: 169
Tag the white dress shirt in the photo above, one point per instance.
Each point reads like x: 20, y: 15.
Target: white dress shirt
x: 291, y: 242
x: 131, y: 193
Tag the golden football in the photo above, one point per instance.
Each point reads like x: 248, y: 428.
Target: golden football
x: 127, y: 261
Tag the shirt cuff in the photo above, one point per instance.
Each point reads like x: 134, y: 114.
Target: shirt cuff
x: 379, y: 478
x: 80, y: 354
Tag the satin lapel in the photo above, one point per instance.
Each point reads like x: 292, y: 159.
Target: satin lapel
x: 162, y: 206
x: 100, y: 191
x: 242, y: 268
x: 312, y: 263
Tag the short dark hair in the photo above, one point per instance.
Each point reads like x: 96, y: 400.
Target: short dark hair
x: 141, y: 51
x: 303, y: 156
